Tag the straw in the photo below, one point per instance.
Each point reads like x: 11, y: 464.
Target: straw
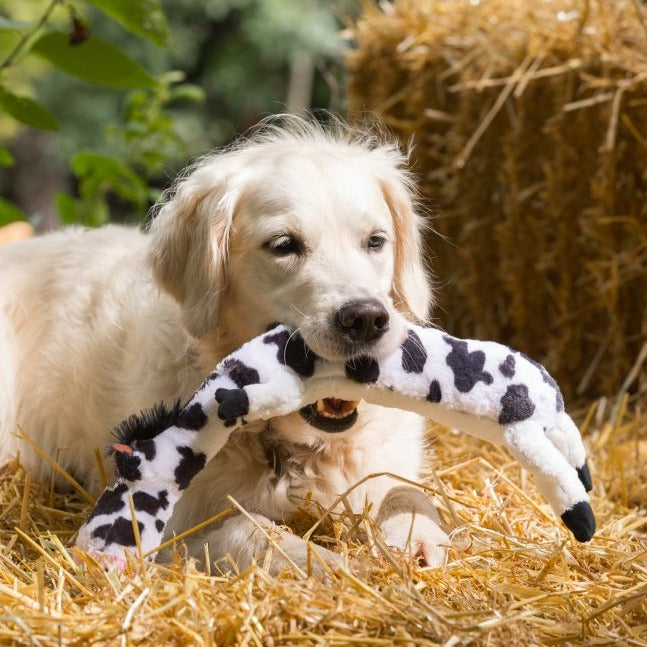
x: 514, y: 577
x: 528, y: 121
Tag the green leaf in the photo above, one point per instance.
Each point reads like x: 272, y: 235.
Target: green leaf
x: 93, y: 61
x: 188, y: 92
x: 66, y: 207
x: 6, y: 158
x: 9, y: 212
x: 95, y: 213
x: 142, y: 17
x: 27, y: 111
x: 99, y: 173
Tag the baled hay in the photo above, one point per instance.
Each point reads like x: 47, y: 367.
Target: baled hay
x: 529, y: 124
x: 515, y: 577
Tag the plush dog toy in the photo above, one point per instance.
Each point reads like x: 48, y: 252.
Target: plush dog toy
x: 482, y: 388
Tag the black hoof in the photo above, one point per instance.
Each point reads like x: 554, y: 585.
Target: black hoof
x: 585, y: 476
x: 232, y: 404
x: 580, y: 521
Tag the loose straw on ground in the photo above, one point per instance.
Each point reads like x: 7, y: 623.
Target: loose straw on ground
x: 514, y: 577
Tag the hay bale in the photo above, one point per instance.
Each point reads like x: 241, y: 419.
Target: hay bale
x: 529, y: 121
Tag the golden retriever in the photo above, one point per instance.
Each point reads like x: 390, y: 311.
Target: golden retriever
x: 299, y: 223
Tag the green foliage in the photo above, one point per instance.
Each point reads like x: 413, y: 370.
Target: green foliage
x: 6, y: 158
x: 283, y: 28
x: 99, y: 70
x: 99, y: 176
x: 149, y: 136
x: 27, y: 111
x: 144, y: 18
x: 92, y: 61
x: 133, y: 152
x: 9, y: 212
x: 138, y: 148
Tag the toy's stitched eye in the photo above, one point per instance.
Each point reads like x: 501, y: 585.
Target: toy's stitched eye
x: 284, y: 245
x: 376, y: 242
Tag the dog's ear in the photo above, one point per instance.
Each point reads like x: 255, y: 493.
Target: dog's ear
x: 411, y: 292
x: 188, y: 246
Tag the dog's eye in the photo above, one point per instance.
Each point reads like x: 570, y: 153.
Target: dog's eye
x: 376, y: 242
x: 284, y: 245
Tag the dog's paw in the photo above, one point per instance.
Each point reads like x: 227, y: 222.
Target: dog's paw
x: 416, y: 536
x: 310, y: 558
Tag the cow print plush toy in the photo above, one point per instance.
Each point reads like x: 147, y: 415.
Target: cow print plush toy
x: 482, y: 388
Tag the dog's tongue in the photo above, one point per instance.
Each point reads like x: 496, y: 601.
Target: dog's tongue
x: 335, y: 408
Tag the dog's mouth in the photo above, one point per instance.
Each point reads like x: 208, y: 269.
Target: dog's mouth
x: 331, y: 414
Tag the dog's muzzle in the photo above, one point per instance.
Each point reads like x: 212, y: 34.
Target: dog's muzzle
x: 360, y: 324
x: 363, y: 321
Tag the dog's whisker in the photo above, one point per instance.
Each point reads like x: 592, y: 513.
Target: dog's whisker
x: 296, y: 331
x: 299, y: 311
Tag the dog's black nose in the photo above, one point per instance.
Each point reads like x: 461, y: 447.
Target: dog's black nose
x: 363, y: 320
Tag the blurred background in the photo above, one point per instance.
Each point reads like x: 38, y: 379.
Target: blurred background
x: 217, y: 67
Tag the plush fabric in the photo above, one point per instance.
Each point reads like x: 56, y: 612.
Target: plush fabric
x: 482, y: 388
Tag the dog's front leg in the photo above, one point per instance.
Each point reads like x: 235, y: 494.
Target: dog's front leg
x: 243, y: 540
x: 408, y: 521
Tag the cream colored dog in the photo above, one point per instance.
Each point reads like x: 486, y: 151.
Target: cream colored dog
x: 299, y: 224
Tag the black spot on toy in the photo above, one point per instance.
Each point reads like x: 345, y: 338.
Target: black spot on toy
x: 192, y: 417
x: 240, y: 373
x: 128, y: 466
x: 584, y: 474
x: 507, y: 367
x: 362, y: 369
x: 146, y: 447
x: 293, y: 352
x: 414, y: 354
x: 110, y: 501
x: 207, y: 380
x: 467, y: 367
x: 515, y: 404
x: 121, y: 532
x: 145, y: 502
x: 435, y: 394
x: 548, y: 378
x: 102, y: 531
x: 189, y: 466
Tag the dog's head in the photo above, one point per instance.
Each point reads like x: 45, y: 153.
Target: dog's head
x: 309, y: 226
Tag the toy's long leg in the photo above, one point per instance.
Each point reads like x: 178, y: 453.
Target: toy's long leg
x: 555, y: 478
x: 566, y: 437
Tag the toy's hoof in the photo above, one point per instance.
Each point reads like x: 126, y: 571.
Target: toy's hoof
x: 585, y: 476
x: 232, y: 404
x: 580, y: 521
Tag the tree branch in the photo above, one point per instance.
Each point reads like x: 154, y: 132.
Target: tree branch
x: 23, y: 41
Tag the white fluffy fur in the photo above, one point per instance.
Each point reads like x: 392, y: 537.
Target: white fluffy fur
x: 87, y: 336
